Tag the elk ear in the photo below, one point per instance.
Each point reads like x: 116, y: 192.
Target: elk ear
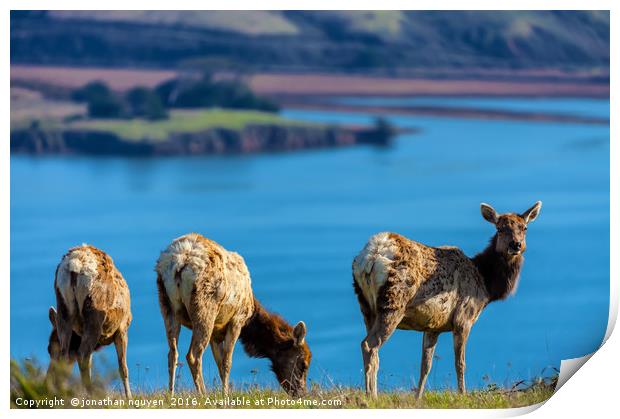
x: 299, y: 333
x: 531, y: 214
x: 52, y: 314
x: 488, y: 213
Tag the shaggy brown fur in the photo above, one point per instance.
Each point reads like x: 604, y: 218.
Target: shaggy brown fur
x: 206, y: 288
x: 93, y: 311
x: 500, y: 274
x: 407, y: 285
x: 267, y: 335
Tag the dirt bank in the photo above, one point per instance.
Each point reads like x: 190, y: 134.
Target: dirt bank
x: 251, y: 139
x: 282, y: 85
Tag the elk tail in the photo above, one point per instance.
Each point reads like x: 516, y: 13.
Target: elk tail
x: 177, y: 276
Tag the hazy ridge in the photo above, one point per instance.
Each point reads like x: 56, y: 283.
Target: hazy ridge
x: 381, y: 42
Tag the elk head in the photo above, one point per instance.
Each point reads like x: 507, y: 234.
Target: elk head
x: 291, y: 362
x: 511, y: 228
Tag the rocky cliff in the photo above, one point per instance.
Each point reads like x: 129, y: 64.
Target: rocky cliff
x: 251, y: 139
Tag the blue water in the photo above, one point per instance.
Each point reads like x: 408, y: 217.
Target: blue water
x: 299, y: 219
x: 598, y: 108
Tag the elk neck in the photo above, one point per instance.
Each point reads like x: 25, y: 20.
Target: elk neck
x: 264, y: 333
x: 500, y: 272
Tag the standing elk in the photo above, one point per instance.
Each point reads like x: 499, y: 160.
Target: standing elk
x: 402, y: 284
x: 207, y: 289
x: 93, y: 311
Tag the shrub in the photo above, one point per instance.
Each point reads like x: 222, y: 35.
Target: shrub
x: 105, y: 107
x: 102, y: 102
x: 381, y: 133
x: 95, y: 90
x: 178, y: 93
x: 383, y: 128
x: 204, y: 93
x: 146, y: 103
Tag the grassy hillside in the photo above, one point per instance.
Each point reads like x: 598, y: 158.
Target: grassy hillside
x: 362, y: 41
x: 253, y: 22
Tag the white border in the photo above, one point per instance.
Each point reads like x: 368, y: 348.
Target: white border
x: 316, y: 5
x: 592, y: 392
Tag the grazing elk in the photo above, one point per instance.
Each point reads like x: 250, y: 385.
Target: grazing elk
x: 207, y: 289
x: 402, y: 284
x: 93, y: 311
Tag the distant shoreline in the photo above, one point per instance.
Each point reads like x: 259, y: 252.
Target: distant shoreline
x: 316, y: 85
x: 542, y: 83
x: 321, y: 104
x: 252, y: 139
x: 314, y: 91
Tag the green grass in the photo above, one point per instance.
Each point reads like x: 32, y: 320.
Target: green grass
x: 28, y: 383
x: 354, y: 398
x: 180, y: 121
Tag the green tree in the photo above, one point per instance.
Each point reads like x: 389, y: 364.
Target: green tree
x: 94, y: 90
x: 105, y: 107
x: 205, y: 92
x: 101, y: 101
x: 145, y: 103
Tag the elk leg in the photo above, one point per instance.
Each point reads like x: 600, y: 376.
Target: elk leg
x: 202, y: 321
x: 428, y: 349
x: 64, y: 327
x: 173, y: 328
x: 200, y: 340
x: 93, y: 326
x: 85, y: 356
x: 120, y: 341
x: 460, y: 341
x: 216, y: 349
x: 65, y: 331
x: 228, y: 346
x: 384, y: 326
x: 367, y: 313
x: 85, y: 364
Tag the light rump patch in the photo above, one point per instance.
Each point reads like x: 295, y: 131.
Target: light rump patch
x: 83, y: 264
x: 371, y: 267
x: 404, y: 284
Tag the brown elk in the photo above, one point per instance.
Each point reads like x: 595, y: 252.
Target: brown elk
x: 93, y: 311
x: 402, y: 284
x: 207, y: 289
